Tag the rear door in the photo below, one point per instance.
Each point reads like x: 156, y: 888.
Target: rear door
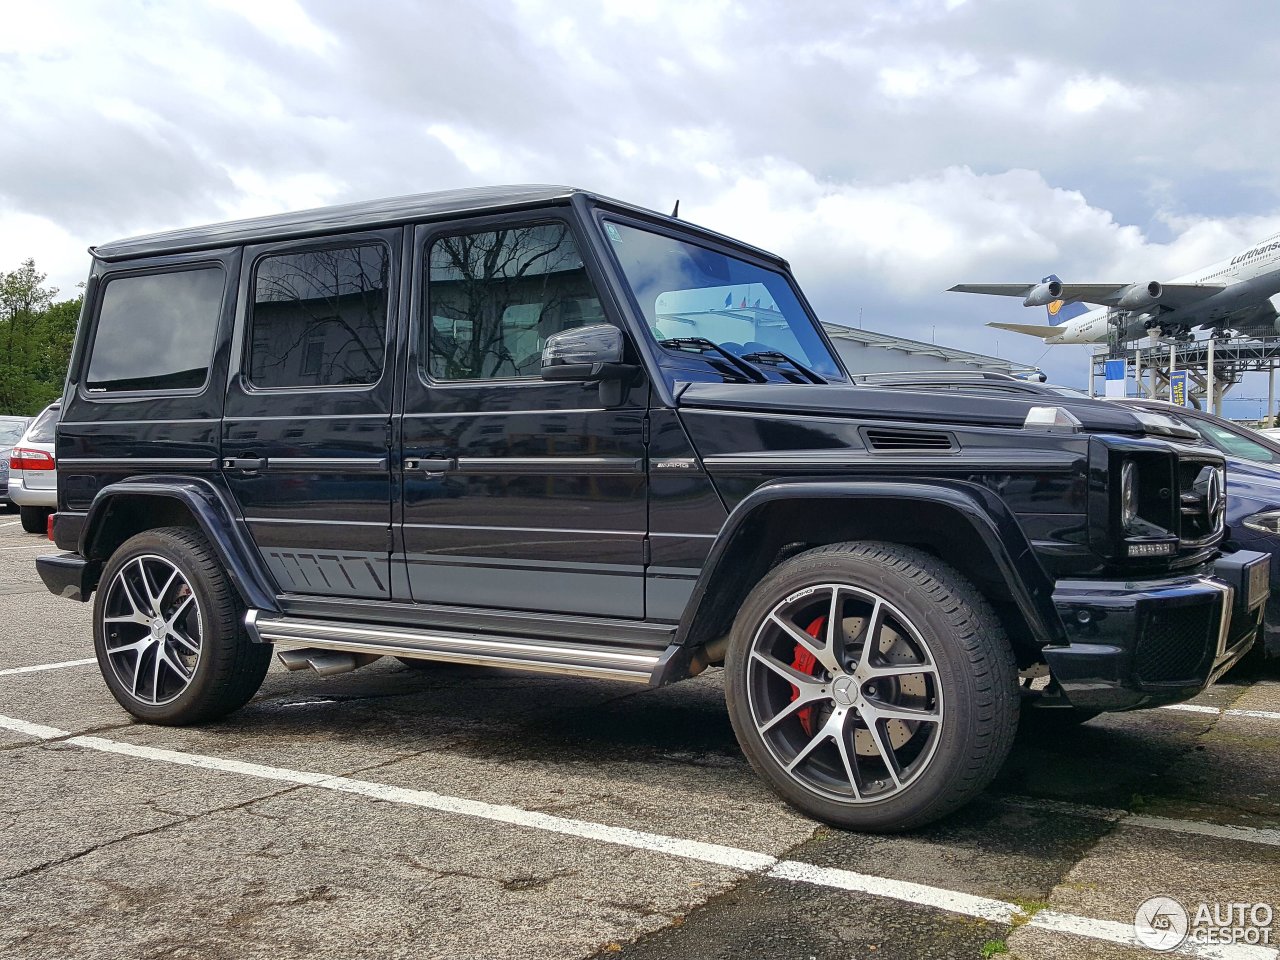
x: 308, y: 413
x: 518, y: 493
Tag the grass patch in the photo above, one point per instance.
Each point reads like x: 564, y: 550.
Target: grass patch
x: 1026, y: 910
x: 992, y: 947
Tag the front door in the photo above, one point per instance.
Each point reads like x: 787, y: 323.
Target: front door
x: 517, y: 492
x: 307, y: 421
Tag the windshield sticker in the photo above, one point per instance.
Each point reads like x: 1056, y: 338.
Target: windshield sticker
x: 613, y: 233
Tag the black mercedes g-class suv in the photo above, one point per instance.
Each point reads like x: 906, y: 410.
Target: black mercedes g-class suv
x: 536, y: 428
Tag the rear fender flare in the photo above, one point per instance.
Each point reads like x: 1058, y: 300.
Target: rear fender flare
x: 214, y: 516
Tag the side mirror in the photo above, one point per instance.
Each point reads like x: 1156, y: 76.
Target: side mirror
x: 589, y: 355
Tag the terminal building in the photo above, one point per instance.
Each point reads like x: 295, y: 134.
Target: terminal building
x: 864, y: 351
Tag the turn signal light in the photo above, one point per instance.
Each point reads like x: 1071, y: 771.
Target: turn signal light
x: 24, y: 458
x: 1152, y: 549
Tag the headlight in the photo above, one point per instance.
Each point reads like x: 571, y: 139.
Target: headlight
x: 1128, y: 494
x: 1268, y: 521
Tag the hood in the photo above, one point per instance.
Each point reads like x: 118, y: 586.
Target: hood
x: 1253, y: 481
x: 926, y: 406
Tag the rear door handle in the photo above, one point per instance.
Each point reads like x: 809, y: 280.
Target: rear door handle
x: 245, y: 464
x: 431, y: 466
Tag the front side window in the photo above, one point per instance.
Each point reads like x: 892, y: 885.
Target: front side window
x: 695, y: 299
x: 493, y: 298
x: 156, y: 331
x: 320, y: 317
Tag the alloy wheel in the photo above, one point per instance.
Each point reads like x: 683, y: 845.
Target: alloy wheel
x: 152, y: 628
x: 845, y: 693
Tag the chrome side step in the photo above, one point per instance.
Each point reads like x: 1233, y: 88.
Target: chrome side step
x: 310, y: 638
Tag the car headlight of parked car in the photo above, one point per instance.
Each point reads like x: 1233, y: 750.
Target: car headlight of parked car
x: 1268, y: 521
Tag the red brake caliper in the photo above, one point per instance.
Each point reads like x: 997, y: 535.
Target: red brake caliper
x: 805, y: 662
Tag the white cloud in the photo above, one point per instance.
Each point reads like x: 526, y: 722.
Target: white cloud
x: 889, y: 149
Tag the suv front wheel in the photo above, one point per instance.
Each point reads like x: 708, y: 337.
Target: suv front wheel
x: 871, y: 685
x: 168, y: 631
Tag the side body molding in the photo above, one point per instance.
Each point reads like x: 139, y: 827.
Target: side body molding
x: 212, y: 512
x: 964, y: 506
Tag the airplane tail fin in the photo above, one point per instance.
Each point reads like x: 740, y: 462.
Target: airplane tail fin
x: 1060, y: 312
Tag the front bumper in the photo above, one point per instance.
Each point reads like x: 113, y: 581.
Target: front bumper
x: 1151, y: 642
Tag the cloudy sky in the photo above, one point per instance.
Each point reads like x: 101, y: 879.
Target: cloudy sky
x: 887, y: 149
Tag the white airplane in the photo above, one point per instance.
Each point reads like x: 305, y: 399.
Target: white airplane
x: 1234, y: 295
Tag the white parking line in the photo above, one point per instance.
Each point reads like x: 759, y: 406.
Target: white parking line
x: 1220, y: 831
x: 1219, y: 711
x: 748, y: 861
x: 39, y: 667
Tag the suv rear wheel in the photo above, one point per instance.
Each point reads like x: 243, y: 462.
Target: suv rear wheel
x: 871, y: 685
x: 168, y: 631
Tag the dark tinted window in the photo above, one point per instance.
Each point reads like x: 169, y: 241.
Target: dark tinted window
x: 155, y: 331
x: 320, y: 318
x: 494, y: 298
x: 42, y: 430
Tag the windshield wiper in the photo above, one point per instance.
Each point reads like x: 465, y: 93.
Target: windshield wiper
x: 752, y: 373
x: 777, y: 356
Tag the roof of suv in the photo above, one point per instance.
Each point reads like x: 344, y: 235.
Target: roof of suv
x: 347, y: 216
x: 370, y: 214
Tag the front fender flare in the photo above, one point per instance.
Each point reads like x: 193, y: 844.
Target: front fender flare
x: 214, y: 515
x: 980, y: 508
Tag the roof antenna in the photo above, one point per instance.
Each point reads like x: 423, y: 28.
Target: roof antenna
x: 675, y: 211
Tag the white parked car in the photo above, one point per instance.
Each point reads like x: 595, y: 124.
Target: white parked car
x: 33, y: 477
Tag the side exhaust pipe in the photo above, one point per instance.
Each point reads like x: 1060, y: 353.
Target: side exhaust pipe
x: 326, y: 663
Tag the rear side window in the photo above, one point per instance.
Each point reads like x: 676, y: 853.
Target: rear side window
x: 156, y: 331
x: 495, y: 296
x: 42, y: 430
x: 320, y: 317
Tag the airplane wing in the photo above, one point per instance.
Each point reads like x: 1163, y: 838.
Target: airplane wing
x: 1030, y: 329
x: 1173, y: 295
x: 995, y: 289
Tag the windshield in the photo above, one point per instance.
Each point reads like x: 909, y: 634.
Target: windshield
x: 1228, y: 441
x: 698, y: 301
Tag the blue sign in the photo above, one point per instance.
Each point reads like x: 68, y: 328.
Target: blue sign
x: 1178, y: 388
x: 1116, y: 372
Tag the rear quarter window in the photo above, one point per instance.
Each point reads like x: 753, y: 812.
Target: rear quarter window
x: 156, y: 331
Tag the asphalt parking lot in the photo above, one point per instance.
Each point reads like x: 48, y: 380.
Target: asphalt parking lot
x: 451, y: 812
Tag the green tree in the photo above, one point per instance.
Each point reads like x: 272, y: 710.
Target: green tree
x: 36, y: 333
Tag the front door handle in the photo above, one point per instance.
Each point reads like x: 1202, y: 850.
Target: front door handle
x: 244, y: 464
x: 443, y: 465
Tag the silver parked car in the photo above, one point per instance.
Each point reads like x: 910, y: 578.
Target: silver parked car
x: 33, y: 477
x: 11, y: 431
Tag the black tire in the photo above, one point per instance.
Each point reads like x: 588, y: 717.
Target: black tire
x: 229, y: 667
x: 35, y: 519
x: 973, y: 674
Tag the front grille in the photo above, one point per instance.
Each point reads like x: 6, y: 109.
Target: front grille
x: 1175, y: 645
x: 879, y: 438
x: 1200, y: 501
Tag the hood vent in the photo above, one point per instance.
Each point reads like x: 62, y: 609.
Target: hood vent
x: 885, y: 440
